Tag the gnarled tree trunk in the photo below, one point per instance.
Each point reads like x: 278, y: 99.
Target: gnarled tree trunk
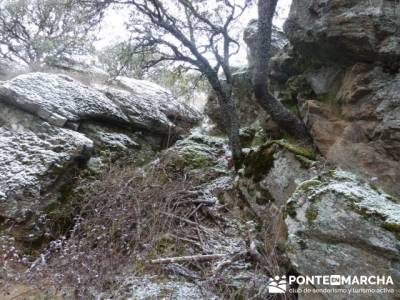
x: 284, y: 118
x: 230, y: 117
x: 232, y: 125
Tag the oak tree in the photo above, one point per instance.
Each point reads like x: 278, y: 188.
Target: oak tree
x: 194, y: 35
x: 33, y: 31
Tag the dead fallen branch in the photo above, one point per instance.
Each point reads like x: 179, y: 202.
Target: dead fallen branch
x: 190, y: 258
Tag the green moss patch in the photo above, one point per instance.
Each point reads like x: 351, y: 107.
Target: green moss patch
x: 296, y: 149
x: 395, y: 227
x: 259, y: 162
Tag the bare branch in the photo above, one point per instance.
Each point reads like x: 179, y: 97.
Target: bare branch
x: 186, y: 32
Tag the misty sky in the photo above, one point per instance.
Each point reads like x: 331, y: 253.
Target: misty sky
x: 113, y: 29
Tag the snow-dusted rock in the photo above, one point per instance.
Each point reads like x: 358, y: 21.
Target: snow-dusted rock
x: 345, y: 31
x: 339, y: 225
x: 160, y: 99
x: 9, y: 69
x: 151, y: 107
x: 84, y: 65
x: 59, y: 99
x: 278, y: 40
x: 65, y: 102
x: 50, y: 122
x: 108, y: 138
x: 33, y: 155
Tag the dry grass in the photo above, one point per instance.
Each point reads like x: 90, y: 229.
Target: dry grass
x: 129, y: 216
x: 125, y: 219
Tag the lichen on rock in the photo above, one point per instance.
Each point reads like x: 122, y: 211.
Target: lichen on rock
x: 334, y: 213
x: 196, y: 152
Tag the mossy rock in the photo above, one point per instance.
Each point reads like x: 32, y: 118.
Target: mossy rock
x: 357, y: 196
x: 337, y: 212
x: 296, y: 149
x: 195, y: 159
x: 197, y: 155
x: 258, y: 162
x: 308, y: 185
x: 304, y: 161
x: 195, y: 152
x: 394, y: 227
x: 210, y: 141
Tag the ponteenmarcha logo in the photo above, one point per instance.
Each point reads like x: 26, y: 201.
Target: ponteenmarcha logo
x: 340, y: 280
x: 280, y: 284
x: 277, y: 285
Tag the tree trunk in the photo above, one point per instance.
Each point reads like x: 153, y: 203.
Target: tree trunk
x: 284, y: 118
x: 232, y: 125
x: 229, y: 116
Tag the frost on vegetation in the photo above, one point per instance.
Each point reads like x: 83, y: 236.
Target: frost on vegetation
x: 151, y: 288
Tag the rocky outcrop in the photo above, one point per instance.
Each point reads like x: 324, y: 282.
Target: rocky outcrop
x: 198, y: 152
x: 271, y: 174
x: 346, y: 31
x: 278, y: 41
x: 150, y: 107
x: 33, y: 155
x: 60, y: 100
x: 357, y: 127
x: 340, y: 72
x: 51, y: 124
x: 65, y: 102
x: 85, y: 66
x: 343, y: 66
x: 324, y: 222
x: 339, y: 225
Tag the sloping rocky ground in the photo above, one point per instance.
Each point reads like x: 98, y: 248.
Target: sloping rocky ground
x: 187, y: 203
